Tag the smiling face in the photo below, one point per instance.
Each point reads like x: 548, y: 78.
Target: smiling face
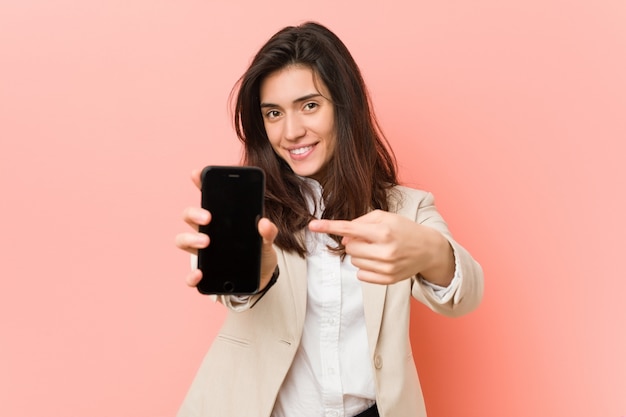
x: 299, y: 119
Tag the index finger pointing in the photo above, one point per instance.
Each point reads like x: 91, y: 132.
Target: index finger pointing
x: 339, y: 227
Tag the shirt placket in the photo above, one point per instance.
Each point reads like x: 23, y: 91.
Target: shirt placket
x: 329, y: 336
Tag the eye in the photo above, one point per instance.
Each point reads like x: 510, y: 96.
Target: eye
x: 311, y: 106
x: 272, y: 114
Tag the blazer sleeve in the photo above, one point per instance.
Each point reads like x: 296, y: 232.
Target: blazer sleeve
x: 468, y: 293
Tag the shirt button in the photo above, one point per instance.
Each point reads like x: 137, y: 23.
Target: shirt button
x: 332, y: 413
x: 378, y: 362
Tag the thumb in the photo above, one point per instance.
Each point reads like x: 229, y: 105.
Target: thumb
x: 374, y: 216
x: 268, y: 231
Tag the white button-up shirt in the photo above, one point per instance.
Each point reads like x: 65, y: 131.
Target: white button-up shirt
x: 331, y: 374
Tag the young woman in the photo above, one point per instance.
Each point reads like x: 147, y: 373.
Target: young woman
x: 330, y: 336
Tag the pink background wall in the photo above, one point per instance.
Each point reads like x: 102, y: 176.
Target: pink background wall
x: 511, y: 112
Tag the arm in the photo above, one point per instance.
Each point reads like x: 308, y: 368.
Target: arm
x: 413, y: 244
x: 465, y: 292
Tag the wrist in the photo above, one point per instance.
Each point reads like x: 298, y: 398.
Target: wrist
x: 441, y: 269
x: 269, y: 285
x: 271, y: 281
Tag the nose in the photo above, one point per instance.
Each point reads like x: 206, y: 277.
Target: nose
x: 293, y: 127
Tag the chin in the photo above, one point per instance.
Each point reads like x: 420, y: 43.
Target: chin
x: 305, y: 172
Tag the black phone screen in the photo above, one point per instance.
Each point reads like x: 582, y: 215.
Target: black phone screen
x: 231, y: 264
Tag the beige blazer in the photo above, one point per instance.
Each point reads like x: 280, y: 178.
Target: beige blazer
x: 248, y: 360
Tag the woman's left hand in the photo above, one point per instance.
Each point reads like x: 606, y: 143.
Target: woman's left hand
x: 387, y: 248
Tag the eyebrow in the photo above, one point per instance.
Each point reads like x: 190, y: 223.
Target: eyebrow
x: 298, y: 100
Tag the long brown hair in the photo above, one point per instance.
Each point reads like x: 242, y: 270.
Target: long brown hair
x: 363, y: 166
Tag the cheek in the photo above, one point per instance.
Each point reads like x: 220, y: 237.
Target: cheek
x: 332, y: 145
x: 331, y: 142
x: 328, y: 127
x: 274, y: 143
x: 271, y: 133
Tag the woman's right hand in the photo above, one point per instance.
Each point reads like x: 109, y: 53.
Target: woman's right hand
x: 192, y: 241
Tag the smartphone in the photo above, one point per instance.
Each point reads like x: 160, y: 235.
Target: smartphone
x: 231, y: 264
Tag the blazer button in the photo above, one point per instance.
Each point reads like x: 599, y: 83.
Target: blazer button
x: 378, y: 361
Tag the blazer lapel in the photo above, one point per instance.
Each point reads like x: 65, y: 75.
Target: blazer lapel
x: 295, y: 268
x: 373, y: 305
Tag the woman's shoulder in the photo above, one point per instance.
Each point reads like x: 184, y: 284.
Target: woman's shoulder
x: 404, y: 192
x: 402, y: 197
x: 413, y: 192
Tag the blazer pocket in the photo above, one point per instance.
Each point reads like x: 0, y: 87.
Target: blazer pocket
x: 233, y: 340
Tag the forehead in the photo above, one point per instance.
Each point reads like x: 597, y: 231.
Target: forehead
x: 290, y: 83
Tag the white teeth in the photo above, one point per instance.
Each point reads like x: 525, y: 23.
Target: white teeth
x: 300, y: 151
